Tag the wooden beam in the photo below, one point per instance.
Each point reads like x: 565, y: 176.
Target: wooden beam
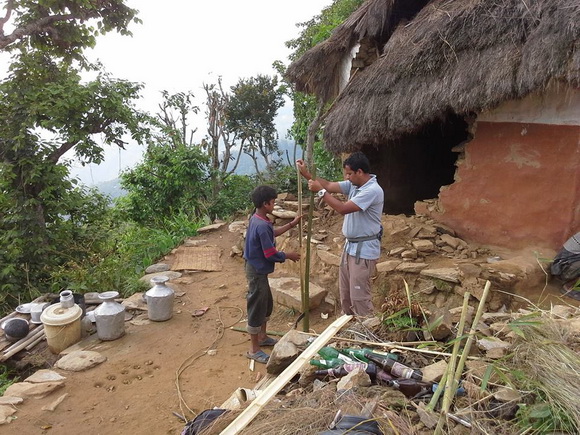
x: 271, y: 390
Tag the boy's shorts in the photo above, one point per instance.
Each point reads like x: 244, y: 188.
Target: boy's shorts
x: 260, y: 303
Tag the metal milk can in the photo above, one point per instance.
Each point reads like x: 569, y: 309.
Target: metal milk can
x: 159, y: 299
x: 110, y: 317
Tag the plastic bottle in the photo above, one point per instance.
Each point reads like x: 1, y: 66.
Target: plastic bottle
x: 327, y: 363
x: 395, y: 368
x: 329, y: 353
x: 358, y: 354
x: 410, y: 387
x: 460, y: 390
x: 370, y: 369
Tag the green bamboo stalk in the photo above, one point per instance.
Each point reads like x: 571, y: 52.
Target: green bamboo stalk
x: 451, y: 365
x: 450, y: 388
x: 466, y: 350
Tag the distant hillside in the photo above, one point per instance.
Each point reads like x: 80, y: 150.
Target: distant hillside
x: 246, y: 165
x: 113, y: 188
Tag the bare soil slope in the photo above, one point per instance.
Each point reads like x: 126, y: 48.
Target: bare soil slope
x: 135, y: 390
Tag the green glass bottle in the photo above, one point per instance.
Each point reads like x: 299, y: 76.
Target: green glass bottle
x: 359, y: 354
x: 327, y: 363
x: 329, y: 353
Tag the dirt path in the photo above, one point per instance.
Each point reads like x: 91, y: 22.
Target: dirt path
x: 135, y: 391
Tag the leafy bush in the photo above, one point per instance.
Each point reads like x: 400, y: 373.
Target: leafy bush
x: 233, y: 197
x: 131, y: 249
x: 169, y: 181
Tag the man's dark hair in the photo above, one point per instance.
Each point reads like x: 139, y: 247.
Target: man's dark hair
x: 262, y: 194
x: 356, y: 161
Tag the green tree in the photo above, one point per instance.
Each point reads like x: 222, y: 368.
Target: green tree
x: 47, y: 111
x: 220, y: 141
x: 250, y: 113
x: 315, y: 31
x: 168, y: 182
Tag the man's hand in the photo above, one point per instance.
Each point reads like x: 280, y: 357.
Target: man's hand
x: 314, y: 185
x: 294, y: 256
x: 303, y: 169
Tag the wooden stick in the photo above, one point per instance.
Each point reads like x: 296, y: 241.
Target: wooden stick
x: 271, y: 390
x: 19, y: 345
x: 31, y: 332
x: 35, y: 342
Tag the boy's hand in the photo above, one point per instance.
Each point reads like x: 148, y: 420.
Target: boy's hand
x: 294, y: 256
x: 297, y: 219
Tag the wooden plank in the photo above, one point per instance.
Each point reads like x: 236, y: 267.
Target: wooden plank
x: 271, y: 390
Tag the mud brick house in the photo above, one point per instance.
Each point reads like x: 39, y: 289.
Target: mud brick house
x: 468, y: 109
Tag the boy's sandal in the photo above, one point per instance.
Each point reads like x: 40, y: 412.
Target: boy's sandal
x: 260, y: 356
x: 269, y: 341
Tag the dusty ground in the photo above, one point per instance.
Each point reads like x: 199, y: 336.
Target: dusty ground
x: 135, y: 390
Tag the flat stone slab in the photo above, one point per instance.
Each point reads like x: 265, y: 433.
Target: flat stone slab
x: 209, y: 228
x: 388, y: 266
x: 169, y: 274
x: 28, y: 389
x: 6, y: 413
x: 44, y: 375
x: 286, y: 292
x: 159, y: 267
x: 328, y: 258
x: 237, y: 227
x: 80, y: 360
x: 444, y: 274
x: 11, y: 400
x: 411, y: 267
x: 284, y: 214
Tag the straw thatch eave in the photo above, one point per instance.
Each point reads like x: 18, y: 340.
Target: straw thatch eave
x: 318, y: 70
x: 461, y: 56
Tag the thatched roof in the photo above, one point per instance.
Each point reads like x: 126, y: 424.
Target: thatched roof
x: 461, y: 56
x: 318, y: 70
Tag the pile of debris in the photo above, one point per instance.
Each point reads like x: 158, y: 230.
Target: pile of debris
x: 401, y: 387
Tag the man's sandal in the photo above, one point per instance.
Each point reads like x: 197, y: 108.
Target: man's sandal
x: 268, y: 341
x: 260, y: 356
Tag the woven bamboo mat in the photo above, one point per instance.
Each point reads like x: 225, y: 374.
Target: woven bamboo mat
x: 205, y: 258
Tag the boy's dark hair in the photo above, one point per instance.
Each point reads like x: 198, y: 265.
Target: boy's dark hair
x: 262, y: 194
x: 356, y: 161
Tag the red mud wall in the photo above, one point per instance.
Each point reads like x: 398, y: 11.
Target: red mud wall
x: 519, y: 185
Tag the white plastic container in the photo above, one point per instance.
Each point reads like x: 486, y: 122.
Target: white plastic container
x: 62, y: 326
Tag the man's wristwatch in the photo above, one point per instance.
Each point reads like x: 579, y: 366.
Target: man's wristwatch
x: 321, y: 193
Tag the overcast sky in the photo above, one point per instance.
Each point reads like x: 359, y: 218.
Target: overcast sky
x: 181, y: 44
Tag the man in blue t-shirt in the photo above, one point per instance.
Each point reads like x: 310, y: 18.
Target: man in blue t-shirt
x: 261, y: 255
x: 362, y: 228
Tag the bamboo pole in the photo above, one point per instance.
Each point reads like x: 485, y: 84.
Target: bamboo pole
x: 459, y: 369
x: 450, y: 390
x: 300, y: 232
x: 35, y: 342
x: 19, y: 345
x: 460, y: 329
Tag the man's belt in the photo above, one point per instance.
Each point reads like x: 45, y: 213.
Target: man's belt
x: 357, y: 240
